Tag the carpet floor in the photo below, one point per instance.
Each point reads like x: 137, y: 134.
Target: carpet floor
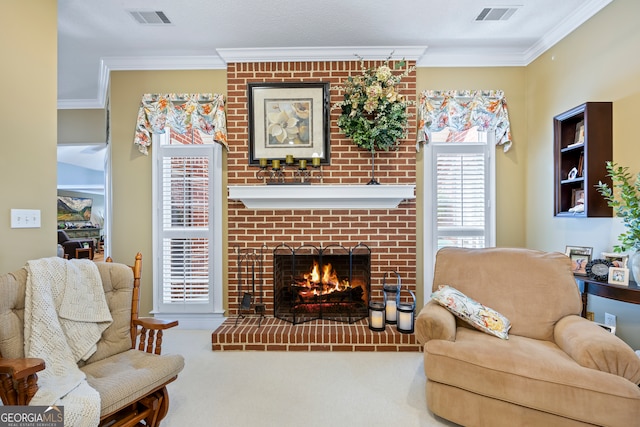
x: 294, y: 389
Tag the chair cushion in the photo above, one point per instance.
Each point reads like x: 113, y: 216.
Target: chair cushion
x: 124, y: 378
x: 117, y: 282
x: 474, y: 313
x: 531, y: 373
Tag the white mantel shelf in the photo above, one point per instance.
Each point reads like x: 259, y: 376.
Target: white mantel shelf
x: 321, y: 196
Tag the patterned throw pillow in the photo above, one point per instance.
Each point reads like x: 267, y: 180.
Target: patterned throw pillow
x: 477, y: 315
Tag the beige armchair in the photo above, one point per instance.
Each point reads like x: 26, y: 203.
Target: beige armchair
x: 555, y: 369
x: 125, y: 366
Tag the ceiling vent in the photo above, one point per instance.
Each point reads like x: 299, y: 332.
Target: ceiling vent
x: 496, y: 13
x: 149, y: 17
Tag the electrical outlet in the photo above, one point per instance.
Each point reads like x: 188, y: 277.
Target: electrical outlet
x: 25, y: 218
x: 610, y: 319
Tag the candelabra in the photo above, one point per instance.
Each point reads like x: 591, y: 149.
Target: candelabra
x: 289, y: 173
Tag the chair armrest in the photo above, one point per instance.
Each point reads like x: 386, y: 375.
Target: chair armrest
x: 150, y: 334
x: 18, y: 380
x: 593, y: 347
x: 153, y: 323
x: 435, y: 322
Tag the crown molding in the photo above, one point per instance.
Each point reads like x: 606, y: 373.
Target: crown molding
x: 566, y: 27
x: 308, y: 54
x: 140, y: 63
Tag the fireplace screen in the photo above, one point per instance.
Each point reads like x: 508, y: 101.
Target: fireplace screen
x: 321, y: 283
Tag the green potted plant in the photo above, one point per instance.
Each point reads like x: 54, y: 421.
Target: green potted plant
x: 624, y: 197
x: 374, y: 115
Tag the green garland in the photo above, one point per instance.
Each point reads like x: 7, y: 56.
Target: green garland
x: 374, y: 115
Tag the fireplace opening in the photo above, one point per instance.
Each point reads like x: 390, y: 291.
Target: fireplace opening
x: 321, y: 283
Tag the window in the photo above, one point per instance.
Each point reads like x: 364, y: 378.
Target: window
x: 187, y: 225
x: 459, y: 192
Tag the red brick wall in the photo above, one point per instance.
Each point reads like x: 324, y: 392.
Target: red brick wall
x: 390, y: 233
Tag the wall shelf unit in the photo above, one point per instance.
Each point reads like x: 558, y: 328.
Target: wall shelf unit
x: 582, y: 146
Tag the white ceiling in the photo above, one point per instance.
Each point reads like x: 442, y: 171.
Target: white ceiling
x: 99, y: 36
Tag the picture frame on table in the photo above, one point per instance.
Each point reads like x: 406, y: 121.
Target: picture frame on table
x: 618, y: 260
x: 288, y: 119
x: 580, y: 257
x: 619, y: 276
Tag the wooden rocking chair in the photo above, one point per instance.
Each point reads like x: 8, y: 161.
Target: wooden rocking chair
x: 130, y: 396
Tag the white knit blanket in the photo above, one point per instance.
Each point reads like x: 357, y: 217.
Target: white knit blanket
x: 64, y: 317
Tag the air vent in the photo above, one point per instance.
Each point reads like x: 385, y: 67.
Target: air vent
x: 149, y: 17
x: 496, y: 13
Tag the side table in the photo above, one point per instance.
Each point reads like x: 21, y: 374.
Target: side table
x: 84, y: 253
x: 630, y: 294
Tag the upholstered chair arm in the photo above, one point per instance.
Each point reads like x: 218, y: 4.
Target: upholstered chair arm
x: 593, y: 347
x: 435, y: 322
x: 18, y: 380
x: 150, y: 333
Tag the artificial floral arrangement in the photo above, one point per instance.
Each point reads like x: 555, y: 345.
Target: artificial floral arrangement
x: 627, y: 206
x: 374, y: 115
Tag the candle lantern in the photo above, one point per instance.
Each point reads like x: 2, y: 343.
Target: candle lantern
x: 406, y: 314
x: 391, y: 297
x: 376, y: 316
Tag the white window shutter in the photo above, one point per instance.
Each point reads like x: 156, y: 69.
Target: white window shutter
x: 184, y: 232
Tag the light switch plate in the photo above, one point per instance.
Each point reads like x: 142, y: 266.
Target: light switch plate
x: 25, y: 218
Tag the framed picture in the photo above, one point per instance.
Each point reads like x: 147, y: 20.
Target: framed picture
x: 618, y: 260
x: 288, y: 119
x: 619, y: 276
x: 582, y: 250
x: 580, y: 257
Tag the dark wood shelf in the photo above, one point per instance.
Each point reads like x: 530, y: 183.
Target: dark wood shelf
x: 591, y: 123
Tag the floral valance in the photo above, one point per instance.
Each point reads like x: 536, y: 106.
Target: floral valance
x: 182, y: 112
x: 462, y: 110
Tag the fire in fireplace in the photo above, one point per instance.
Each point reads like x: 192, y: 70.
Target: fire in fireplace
x: 321, y: 283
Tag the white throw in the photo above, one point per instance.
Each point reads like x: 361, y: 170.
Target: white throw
x: 65, y: 315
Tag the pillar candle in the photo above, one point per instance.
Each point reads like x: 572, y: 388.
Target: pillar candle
x: 303, y: 164
x: 289, y: 159
x: 391, y: 310
x: 275, y: 164
x: 376, y: 319
x: 404, y: 320
x: 315, y: 161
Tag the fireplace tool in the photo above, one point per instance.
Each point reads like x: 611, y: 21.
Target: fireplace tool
x: 250, y: 262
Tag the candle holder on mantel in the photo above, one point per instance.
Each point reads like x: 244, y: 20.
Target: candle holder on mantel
x: 289, y: 173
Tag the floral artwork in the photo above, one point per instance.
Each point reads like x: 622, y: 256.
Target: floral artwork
x: 288, y: 119
x: 288, y: 122
x: 374, y: 112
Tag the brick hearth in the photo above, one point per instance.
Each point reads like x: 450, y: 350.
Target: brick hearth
x: 318, y: 335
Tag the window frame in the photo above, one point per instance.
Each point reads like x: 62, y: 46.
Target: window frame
x: 192, y: 315
x: 430, y: 235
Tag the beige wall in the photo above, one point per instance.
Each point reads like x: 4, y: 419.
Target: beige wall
x: 510, y: 166
x: 28, y: 31
x: 82, y: 126
x: 131, y: 170
x: 597, y: 62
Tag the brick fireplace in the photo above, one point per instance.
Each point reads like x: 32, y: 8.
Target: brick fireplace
x: 389, y: 233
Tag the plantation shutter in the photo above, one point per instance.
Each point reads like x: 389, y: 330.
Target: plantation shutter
x: 185, y: 248
x: 461, y: 177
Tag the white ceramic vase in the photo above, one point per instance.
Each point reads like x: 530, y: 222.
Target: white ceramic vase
x: 634, y: 265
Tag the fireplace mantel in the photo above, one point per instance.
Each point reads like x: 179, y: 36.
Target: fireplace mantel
x: 321, y: 196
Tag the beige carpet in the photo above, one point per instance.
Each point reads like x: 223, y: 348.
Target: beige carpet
x: 294, y: 389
